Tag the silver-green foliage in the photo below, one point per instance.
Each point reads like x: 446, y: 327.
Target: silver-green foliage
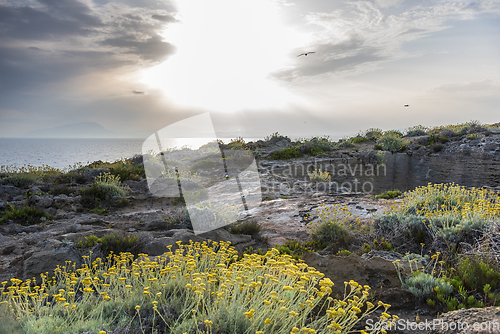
x: 423, y: 285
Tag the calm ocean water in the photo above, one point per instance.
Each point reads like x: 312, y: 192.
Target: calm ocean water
x: 61, y: 153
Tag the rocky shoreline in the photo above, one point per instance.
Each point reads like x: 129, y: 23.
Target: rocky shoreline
x: 27, y: 251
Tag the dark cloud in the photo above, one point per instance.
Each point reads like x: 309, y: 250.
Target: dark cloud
x: 34, y: 24
x: 133, y: 17
x: 152, y: 48
x: 333, y: 58
x: 24, y: 69
x: 73, y: 10
x: 56, y: 40
x: 150, y: 4
x: 164, y: 18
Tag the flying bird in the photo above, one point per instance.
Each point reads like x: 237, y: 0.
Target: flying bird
x: 305, y: 53
x: 407, y: 105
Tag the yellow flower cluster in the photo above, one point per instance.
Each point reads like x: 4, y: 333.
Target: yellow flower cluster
x: 439, y: 200
x: 269, y: 293
x: 319, y: 176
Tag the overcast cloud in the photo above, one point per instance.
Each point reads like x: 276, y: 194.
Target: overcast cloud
x: 70, y: 61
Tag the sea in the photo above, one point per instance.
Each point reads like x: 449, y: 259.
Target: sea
x: 65, y: 152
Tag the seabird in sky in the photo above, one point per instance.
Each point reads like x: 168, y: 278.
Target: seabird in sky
x: 305, y: 53
x: 407, y: 105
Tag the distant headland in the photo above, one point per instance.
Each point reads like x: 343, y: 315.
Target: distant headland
x: 75, y: 130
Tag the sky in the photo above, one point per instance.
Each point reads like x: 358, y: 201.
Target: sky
x: 137, y: 66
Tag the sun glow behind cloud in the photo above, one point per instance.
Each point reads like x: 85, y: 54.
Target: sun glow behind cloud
x: 226, y: 50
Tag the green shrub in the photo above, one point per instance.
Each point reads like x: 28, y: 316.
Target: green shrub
x: 437, y: 140
x: 276, y: 137
x: 64, y: 178
x: 316, y: 146
x: 249, y: 228
x: 105, y: 187
x: 373, y: 133
x: 343, y: 252
x: 23, y: 180
x: 359, y: 139
x: 287, y: 153
x: 26, y: 175
x: 249, y: 250
x: 61, y: 190
x: 437, y: 147
x: 344, y: 144
x: 330, y: 232
x: 381, y: 245
x: 25, y: 215
x: 394, y: 133
x: 392, y: 143
x: 117, y: 244
x: 416, y: 131
x: 128, y: 171
x: 237, y: 144
x: 389, y: 194
x: 316, y: 151
x: 88, y: 242
x: 295, y: 248
x: 474, y: 276
x: 110, y: 243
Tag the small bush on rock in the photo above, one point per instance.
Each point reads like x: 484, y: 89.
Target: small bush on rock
x: 330, y: 232
x: 319, y: 176
x: 249, y: 228
x: 295, y: 248
x: 110, y: 243
x: 88, y: 242
x: 118, y: 244
x: 392, y: 143
x: 389, y: 194
x: 105, y: 187
x: 423, y: 285
x: 395, y: 133
x: 25, y: 215
x: 359, y: 139
x: 127, y: 171
x: 416, y: 131
x: 345, y: 144
x: 287, y: 153
x: 373, y: 133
